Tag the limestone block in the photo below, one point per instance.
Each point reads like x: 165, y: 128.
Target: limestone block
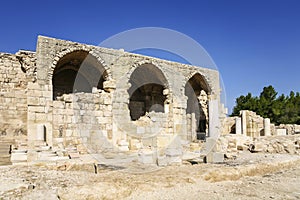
x: 163, y: 141
x: 107, y: 101
x: 47, y: 94
x: 42, y: 101
x: 58, y: 104
x: 41, y: 117
x: 18, y: 156
x: 238, y: 126
x: 40, y: 132
x: 210, y: 144
x: 267, y: 127
x: 36, y: 109
x: 31, y: 116
x: 174, y: 160
x: 98, y: 113
x: 256, y: 147
x: 84, y: 133
x: 134, y: 144
x: 123, y: 148
x: 146, y: 157
x: 33, y: 101
x: 69, y: 133
x: 214, y: 157
x: 107, y: 113
x: 109, y: 85
x: 103, y: 120
x: 173, y: 152
x: 162, y: 161
x: 32, y: 156
x: 281, y: 131
x: 73, y: 155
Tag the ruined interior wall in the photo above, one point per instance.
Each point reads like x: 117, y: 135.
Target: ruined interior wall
x: 83, y: 119
x: 15, y: 73
x: 227, y: 125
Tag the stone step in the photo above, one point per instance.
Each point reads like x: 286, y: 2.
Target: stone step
x: 18, y: 157
x: 5, y: 150
x: 5, y: 163
x: 6, y: 142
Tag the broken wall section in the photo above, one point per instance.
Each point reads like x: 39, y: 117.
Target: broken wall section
x: 83, y: 120
x: 15, y: 73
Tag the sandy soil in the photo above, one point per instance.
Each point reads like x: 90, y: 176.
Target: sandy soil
x: 251, y: 176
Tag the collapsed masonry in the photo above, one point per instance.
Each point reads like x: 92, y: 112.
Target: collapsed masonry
x: 68, y: 95
x: 251, y: 132
x: 253, y: 125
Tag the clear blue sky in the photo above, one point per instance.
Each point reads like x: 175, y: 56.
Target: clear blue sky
x: 254, y: 43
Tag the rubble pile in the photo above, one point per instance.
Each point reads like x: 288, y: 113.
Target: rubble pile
x: 232, y: 144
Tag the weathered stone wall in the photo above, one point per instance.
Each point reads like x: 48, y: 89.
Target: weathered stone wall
x: 120, y: 66
x: 15, y: 73
x: 83, y: 119
x: 32, y: 92
x: 290, y: 128
x: 228, y: 125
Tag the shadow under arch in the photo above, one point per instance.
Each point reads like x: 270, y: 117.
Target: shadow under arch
x: 77, y: 71
x: 147, y: 91
x: 197, y: 92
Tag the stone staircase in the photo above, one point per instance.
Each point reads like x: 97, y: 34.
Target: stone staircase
x: 5, y: 151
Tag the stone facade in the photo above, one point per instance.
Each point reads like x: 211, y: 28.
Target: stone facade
x: 97, y: 99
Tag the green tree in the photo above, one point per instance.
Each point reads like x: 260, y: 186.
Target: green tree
x: 266, y: 102
x: 281, y: 110
x: 245, y: 103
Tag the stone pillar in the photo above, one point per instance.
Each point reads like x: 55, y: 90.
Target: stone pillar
x: 267, y: 127
x: 166, y: 107
x: 244, y: 122
x: 40, y: 132
x: 238, y: 126
x: 214, y: 121
x: 193, y: 126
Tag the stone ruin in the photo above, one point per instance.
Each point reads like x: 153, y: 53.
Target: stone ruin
x: 253, y: 125
x: 68, y: 98
x: 251, y: 132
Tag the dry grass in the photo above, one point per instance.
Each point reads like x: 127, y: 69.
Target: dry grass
x: 231, y: 174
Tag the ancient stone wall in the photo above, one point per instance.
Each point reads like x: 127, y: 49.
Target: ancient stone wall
x: 120, y: 68
x: 83, y: 118
x: 15, y: 73
x: 124, y: 101
x: 290, y: 128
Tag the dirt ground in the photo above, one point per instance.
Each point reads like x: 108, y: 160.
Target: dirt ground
x: 251, y: 176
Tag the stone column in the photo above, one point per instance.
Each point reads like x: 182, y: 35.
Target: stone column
x: 244, y: 122
x: 194, y: 126
x: 40, y: 132
x: 267, y: 127
x: 238, y: 126
x: 214, y: 122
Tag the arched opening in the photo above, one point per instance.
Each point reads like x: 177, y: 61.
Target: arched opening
x: 77, y: 72
x: 197, y: 91
x: 146, y: 91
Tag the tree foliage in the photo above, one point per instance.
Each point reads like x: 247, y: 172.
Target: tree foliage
x: 281, y: 110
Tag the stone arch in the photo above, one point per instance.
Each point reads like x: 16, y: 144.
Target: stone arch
x: 63, y: 53
x: 77, y: 71
x: 148, y: 91
x: 197, y: 91
x: 156, y: 65
x: 204, y: 80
